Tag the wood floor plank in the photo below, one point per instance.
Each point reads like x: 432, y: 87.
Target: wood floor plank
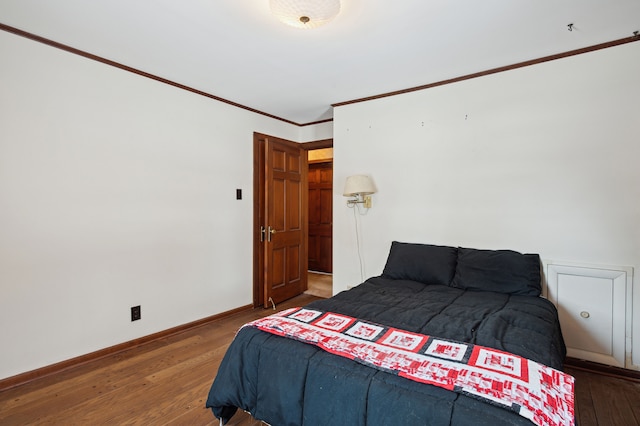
x: 585, y: 414
x: 100, y: 380
x: 631, y: 393
x: 195, y: 412
x: 185, y: 379
x: 632, y: 397
x: 610, y: 403
x: 211, y: 357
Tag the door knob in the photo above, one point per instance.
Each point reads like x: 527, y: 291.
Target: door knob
x: 270, y: 232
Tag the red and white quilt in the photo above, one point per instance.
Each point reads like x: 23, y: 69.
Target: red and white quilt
x: 537, y: 392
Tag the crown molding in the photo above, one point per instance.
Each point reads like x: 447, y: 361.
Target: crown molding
x: 73, y: 50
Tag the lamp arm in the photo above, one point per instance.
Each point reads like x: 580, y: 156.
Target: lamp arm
x: 360, y: 199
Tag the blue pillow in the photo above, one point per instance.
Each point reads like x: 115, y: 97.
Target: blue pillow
x: 424, y: 263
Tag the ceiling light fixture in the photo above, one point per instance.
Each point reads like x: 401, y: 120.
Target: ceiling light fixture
x: 305, y: 13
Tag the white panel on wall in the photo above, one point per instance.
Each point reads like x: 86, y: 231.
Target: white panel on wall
x: 587, y: 326
x: 592, y: 306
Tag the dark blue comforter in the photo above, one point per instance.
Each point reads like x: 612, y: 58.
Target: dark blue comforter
x: 285, y: 382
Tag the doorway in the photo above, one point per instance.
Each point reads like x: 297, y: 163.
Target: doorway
x: 320, y: 249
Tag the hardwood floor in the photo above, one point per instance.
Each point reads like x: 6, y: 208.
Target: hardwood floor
x: 319, y: 284
x: 165, y: 382
x: 605, y: 400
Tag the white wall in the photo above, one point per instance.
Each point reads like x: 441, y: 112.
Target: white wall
x: 316, y: 132
x: 542, y: 159
x: 115, y: 191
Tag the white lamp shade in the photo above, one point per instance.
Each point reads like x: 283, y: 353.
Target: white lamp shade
x: 358, y: 184
x: 305, y: 13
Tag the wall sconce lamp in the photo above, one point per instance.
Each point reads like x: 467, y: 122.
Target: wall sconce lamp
x: 360, y: 187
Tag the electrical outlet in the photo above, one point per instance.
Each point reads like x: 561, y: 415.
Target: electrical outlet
x: 136, y: 313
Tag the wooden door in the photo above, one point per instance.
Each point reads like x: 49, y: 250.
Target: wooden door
x: 320, y: 216
x: 281, y: 231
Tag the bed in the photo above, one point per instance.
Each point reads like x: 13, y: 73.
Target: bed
x: 488, y: 298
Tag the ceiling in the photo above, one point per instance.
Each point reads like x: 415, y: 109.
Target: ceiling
x: 236, y: 50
